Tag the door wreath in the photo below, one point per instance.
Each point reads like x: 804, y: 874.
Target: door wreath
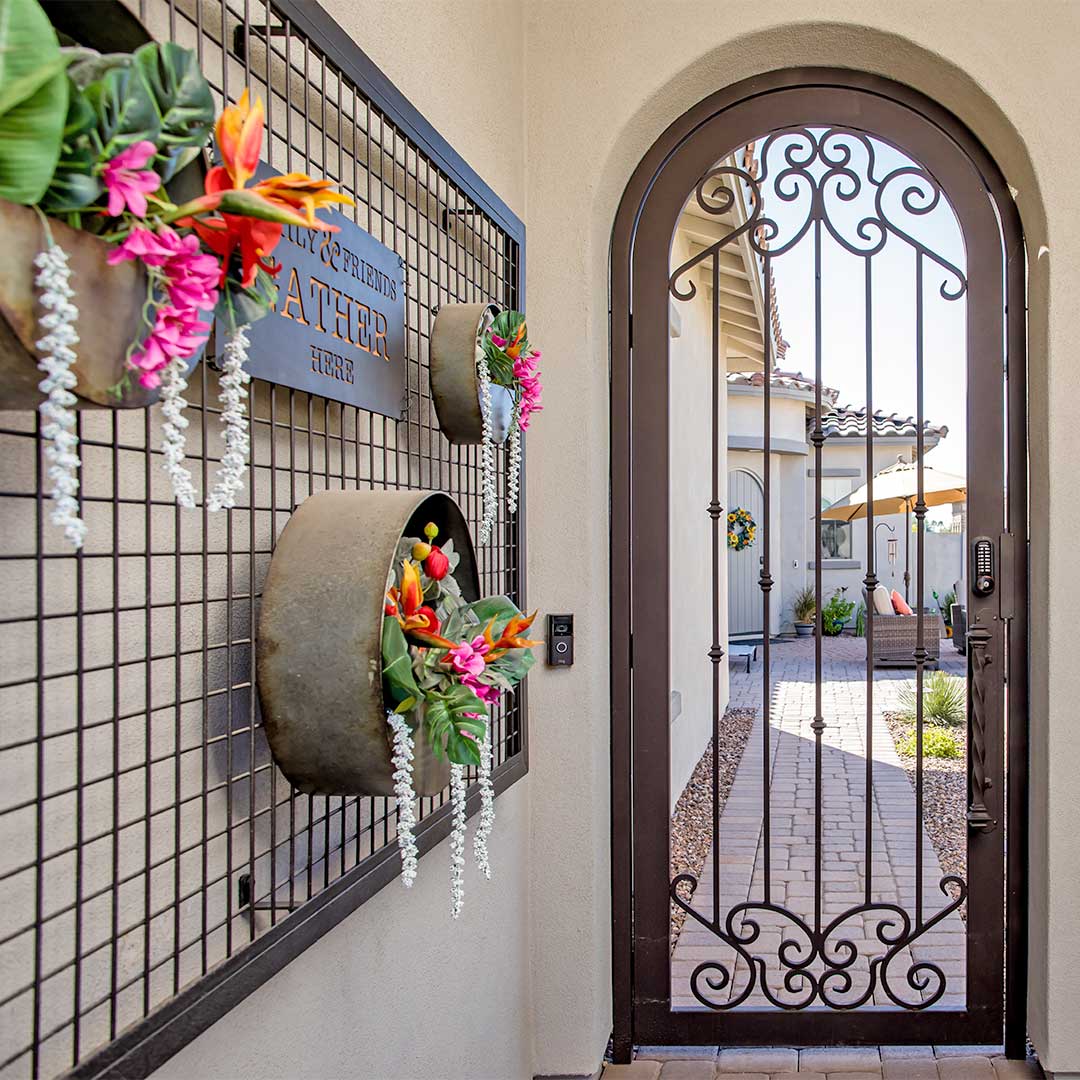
x: 741, y: 529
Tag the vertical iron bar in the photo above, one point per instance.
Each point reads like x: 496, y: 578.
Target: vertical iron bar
x: 114, y: 928
x: 766, y: 587
x: 818, y: 439
x: 870, y: 580
x: 920, y: 647
x: 204, y: 464
x: 148, y: 744
x: 716, y: 653
x: 80, y: 771
x: 39, y: 748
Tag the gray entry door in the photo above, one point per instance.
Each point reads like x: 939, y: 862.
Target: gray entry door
x: 744, y: 567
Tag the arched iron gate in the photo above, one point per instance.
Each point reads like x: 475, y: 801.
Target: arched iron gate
x: 812, y: 987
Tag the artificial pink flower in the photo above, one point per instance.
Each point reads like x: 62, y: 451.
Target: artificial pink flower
x: 190, y: 287
x: 128, y: 183
x: 483, y: 691
x: 525, y: 371
x: 468, y: 657
x: 498, y: 342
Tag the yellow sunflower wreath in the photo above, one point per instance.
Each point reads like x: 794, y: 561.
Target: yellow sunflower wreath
x: 741, y: 529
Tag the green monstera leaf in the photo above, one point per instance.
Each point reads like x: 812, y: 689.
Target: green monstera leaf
x: 33, y: 101
x: 184, y: 102
x: 125, y: 109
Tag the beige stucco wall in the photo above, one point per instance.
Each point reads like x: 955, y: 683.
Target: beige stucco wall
x: 396, y: 991
x: 690, y: 528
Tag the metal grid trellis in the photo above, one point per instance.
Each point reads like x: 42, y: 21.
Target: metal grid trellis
x: 148, y: 839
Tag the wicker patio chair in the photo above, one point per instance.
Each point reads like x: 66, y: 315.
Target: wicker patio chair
x: 896, y: 638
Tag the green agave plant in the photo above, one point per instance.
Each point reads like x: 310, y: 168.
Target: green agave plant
x: 944, y: 699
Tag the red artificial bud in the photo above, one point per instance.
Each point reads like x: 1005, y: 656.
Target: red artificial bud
x: 436, y: 565
x: 390, y: 608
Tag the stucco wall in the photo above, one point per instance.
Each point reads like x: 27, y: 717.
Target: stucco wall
x: 690, y: 529
x: 609, y: 76
x: 396, y: 991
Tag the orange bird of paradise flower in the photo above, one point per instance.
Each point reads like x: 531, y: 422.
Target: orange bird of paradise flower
x: 510, y: 638
x: 417, y: 620
x: 266, y: 206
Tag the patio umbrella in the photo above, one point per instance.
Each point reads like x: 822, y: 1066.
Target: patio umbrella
x: 896, y: 490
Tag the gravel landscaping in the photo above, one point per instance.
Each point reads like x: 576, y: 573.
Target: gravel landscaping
x: 944, y: 796
x: 691, y: 821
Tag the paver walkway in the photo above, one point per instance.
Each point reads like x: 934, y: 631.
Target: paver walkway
x: 791, y: 851
x: 823, y: 1063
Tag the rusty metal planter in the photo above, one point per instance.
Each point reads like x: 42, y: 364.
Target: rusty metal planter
x: 320, y: 638
x: 109, y: 298
x: 455, y: 388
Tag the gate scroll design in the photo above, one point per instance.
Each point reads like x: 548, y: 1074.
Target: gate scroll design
x: 824, y: 169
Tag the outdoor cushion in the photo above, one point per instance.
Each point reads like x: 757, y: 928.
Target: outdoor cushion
x: 900, y: 605
x: 882, y: 601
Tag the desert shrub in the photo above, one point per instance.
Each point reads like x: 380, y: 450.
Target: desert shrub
x: 805, y: 605
x: 944, y: 699
x: 937, y: 742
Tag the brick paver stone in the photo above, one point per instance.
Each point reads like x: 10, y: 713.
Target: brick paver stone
x: 767, y: 1060
x: 636, y: 1070
x: 689, y: 1069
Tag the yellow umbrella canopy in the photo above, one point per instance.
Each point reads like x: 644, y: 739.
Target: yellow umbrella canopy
x: 896, y: 490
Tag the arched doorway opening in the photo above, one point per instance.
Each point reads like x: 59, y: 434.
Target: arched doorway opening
x: 821, y: 979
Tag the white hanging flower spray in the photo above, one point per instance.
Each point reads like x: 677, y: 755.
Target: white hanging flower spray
x: 173, y: 438
x: 457, y: 840
x: 487, y: 448
x: 487, y: 806
x: 402, y: 758
x: 232, y: 393
x: 57, y: 356
x: 513, y: 467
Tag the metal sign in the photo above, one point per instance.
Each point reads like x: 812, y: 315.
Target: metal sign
x: 338, y: 328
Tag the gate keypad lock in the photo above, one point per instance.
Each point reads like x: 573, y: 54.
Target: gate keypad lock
x: 982, y: 561
x: 561, y: 640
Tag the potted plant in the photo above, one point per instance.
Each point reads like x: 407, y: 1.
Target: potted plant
x: 130, y: 263
x: 804, y: 608
x: 378, y: 659
x: 485, y: 385
x: 835, y: 614
x: 945, y: 606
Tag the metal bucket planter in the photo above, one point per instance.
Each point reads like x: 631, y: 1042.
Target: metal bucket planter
x: 455, y: 389
x: 320, y: 638
x: 109, y: 299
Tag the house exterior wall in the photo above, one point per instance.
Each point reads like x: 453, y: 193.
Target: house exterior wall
x: 606, y: 78
x: 691, y: 545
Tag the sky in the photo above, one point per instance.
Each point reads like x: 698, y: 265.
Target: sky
x: 893, y: 305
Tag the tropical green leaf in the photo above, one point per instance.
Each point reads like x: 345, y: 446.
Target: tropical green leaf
x: 183, y: 99
x: 397, y: 663
x: 125, y: 109
x: 500, y: 608
x: 33, y: 101
x: 88, y: 65
x: 514, y: 665
x: 74, y: 185
x: 461, y: 750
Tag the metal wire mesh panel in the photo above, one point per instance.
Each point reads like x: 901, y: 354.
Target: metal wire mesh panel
x: 146, y: 834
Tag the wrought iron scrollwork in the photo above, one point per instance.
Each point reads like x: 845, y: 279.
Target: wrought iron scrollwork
x: 833, y: 955
x: 815, y: 168
x: 978, y: 817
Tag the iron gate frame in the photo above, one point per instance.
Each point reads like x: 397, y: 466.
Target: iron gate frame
x: 640, y: 962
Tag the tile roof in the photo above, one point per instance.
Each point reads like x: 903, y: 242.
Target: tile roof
x: 788, y: 380
x: 846, y: 422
